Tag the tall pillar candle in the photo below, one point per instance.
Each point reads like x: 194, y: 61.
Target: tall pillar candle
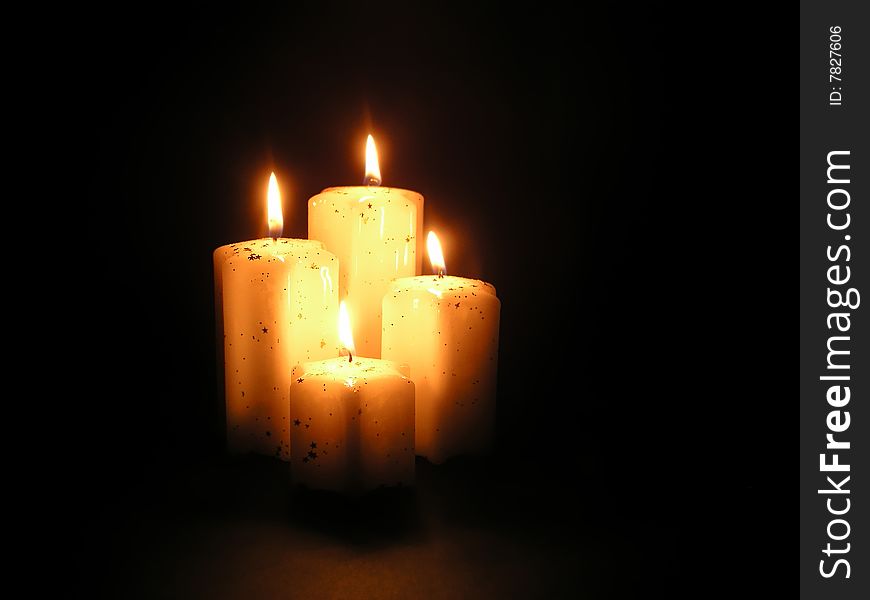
x: 446, y: 330
x: 278, y: 301
x: 352, y: 424
x: 374, y: 232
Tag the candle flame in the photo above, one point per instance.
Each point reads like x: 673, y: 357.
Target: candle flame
x: 345, y: 333
x: 373, y: 169
x: 436, y: 257
x: 274, y: 212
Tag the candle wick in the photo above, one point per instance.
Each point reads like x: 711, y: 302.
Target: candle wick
x: 349, y: 356
x: 440, y: 273
x: 371, y: 180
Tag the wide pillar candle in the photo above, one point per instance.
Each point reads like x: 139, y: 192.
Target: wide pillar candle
x: 277, y: 307
x: 446, y: 330
x: 374, y: 231
x: 352, y: 425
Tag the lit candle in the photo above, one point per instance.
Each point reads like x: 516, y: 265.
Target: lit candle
x: 276, y: 303
x: 446, y: 330
x: 352, y: 421
x: 374, y: 232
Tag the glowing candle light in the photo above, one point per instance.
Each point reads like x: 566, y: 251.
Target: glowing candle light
x: 276, y: 302
x: 374, y: 232
x: 445, y: 329
x: 352, y: 421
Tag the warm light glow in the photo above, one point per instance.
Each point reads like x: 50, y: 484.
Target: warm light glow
x: 436, y: 257
x: 373, y: 169
x: 345, y: 334
x: 275, y: 214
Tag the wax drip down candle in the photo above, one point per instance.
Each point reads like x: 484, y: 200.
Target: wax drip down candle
x: 374, y: 232
x: 276, y: 301
x: 446, y: 330
x: 352, y: 421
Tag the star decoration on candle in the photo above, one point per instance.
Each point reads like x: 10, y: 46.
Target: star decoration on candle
x: 254, y: 257
x: 314, y: 444
x: 297, y: 422
x: 300, y: 380
x: 266, y: 330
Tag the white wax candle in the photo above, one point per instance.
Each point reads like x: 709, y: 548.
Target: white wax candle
x: 276, y: 302
x: 279, y: 305
x: 352, y: 424
x: 374, y: 232
x: 446, y: 330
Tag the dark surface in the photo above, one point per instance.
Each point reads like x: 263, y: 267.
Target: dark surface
x: 471, y: 529
x: 610, y: 172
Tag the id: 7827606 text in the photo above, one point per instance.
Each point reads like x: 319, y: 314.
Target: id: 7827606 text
x: 835, y: 63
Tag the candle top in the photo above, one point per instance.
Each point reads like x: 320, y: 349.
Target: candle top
x: 350, y: 373
x: 267, y: 247
x: 447, y: 285
x: 364, y: 193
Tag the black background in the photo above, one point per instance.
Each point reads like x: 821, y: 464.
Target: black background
x: 609, y: 171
